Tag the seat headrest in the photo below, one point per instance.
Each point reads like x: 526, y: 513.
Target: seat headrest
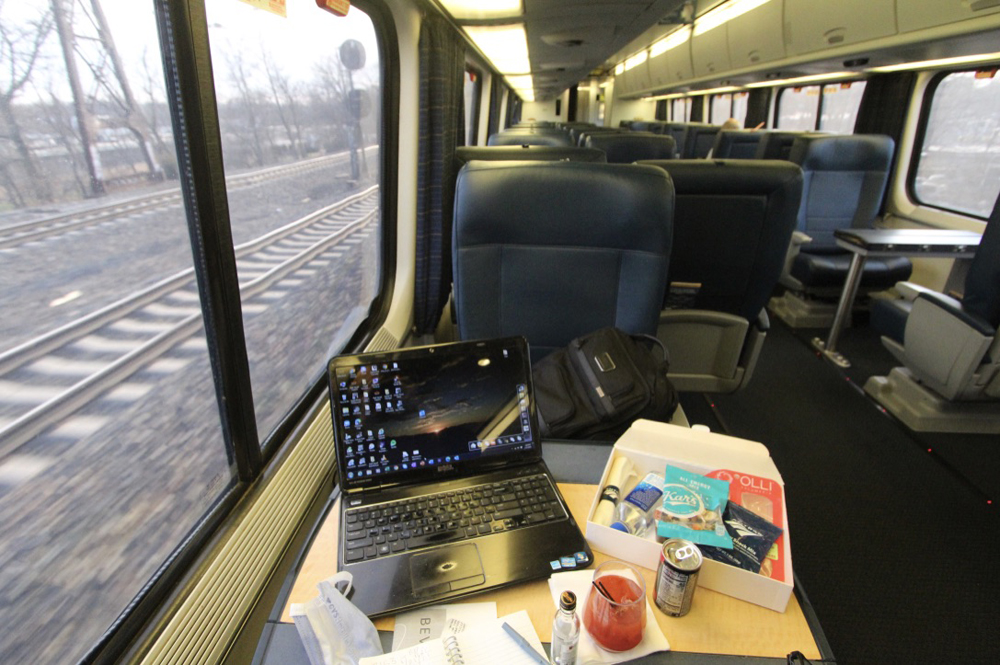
x: 465, y: 154
x: 857, y: 152
x: 630, y: 147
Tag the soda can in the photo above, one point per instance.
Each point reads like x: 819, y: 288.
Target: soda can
x: 677, y: 576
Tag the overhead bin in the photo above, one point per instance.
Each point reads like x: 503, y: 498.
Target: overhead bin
x: 710, y: 51
x: 748, y: 44
x: 930, y: 13
x: 812, y: 26
x: 670, y: 59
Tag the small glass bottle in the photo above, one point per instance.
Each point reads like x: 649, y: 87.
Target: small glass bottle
x: 565, y: 630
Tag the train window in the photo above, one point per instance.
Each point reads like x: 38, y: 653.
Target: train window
x: 111, y: 447
x: 841, y: 102
x: 798, y: 108
x: 472, y: 99
x: 300, y: 138
x: 728, y: 105
x: 680, y: 109
x: 958, y: 165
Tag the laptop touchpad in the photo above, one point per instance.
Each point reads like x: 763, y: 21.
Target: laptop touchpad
x: 446, y: 569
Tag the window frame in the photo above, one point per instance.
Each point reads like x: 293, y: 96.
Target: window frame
x: 920, y: 135
x: 477, y: 102
x: 819, y: 105
x: 184, y: 48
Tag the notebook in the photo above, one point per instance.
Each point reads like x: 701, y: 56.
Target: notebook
x: 445, y: 492
x: 488, y: 643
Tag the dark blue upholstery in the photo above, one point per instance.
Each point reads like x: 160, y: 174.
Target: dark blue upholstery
x: 735, y: 144
x: 537, y: 136
x: 464, y: 154
x: 580, y: 135
x: 733, y: 220
x: 844, y: 181
x: 698, y: 140
x: 775, y: 144
x: 633, y: 146
x: 553, y: 250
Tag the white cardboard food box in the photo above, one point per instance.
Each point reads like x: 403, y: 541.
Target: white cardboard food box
x: 650, y: 446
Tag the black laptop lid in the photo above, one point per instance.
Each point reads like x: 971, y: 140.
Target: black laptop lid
x: 424, y: 413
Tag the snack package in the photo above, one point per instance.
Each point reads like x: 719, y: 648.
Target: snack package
x: 753, y: 536
x: 692, y: 508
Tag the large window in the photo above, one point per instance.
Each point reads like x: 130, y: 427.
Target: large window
x: 728, y: 105
x: 680, y: 109
x: 112, y: 447
x: 958, y: 165
x: 829, y: 108
x: 472, y: 93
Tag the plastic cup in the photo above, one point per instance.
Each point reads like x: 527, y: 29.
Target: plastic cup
x: 616, y: 613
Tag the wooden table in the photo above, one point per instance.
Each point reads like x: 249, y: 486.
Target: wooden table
x: 716, y: 624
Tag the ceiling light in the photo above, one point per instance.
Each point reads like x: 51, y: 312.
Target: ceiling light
x: 672, y: 41
x: 505, y: 46
x: 636, y: 60
x: 523, y: 85
x: 941, y: 62
x: 483, y: 9
x: 725, y: 12
x: 620, y: 69
x: 803, y: 79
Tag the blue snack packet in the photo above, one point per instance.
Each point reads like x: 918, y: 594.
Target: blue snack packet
x: 692, y: 507
x: 753, y: 536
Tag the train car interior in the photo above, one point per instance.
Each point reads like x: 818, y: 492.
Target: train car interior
x: 203, y: 202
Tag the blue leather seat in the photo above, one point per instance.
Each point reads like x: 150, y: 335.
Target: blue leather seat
x: 732, y: 223
x: 549, y: 136
x: 698, y: 140
x: 464, y: 154
x: 776, y: 144
x: 844, y: 180
x: 554, y: 250
x: 735, y: 144
x: 625, y: 148
x: 950, y: 350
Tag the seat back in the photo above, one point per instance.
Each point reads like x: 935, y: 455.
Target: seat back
x: 844, y: 180
x: 776, y: 144
x: 580, y: 136
x: 554, y: 250
x: 733, y: 220
x: 626, y: 148
x: 465, y: 154
x: 698, y: 140
x: 982, y: 282
x: 532, y: 136
x: 735, y: 144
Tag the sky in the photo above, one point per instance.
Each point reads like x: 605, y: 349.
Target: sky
x: 307, y: 35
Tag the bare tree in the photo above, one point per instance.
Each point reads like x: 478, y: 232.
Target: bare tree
x: 284, y: 101
x: 20, y: 46
x: 248, y: 97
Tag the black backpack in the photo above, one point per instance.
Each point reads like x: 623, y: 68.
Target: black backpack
x: 594, y: 388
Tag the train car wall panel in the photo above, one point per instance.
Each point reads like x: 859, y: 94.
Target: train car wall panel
x: 812, y: 26
x: 710, y: 51
x: 930, y: 13
x: 673, y: 66
x: 746, y: 47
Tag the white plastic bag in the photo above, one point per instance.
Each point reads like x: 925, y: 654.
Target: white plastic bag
x: 334, y: 631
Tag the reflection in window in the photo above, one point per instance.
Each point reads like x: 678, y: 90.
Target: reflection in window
x: 298, y: 105
x: 841, y: 102
x: 959, y: 164
x: 111, y: 449
x: 798, y: 108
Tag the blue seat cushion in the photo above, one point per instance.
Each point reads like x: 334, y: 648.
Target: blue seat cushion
x: 888, y: 317
x: 821, y: 270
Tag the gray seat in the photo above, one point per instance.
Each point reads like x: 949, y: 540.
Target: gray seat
x: 628, y: 147
x: 732, y: 223
x: 698, y: 140
x: 548, y: 136
x: 845, y: 177
x: 950, y: 350
x: 554, y: 250
x: 464, y: 154
x: 735, y: 144
x: 776, y: 144
x: 580, y: 134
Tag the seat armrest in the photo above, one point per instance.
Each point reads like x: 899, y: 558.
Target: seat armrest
x: 763, y: 321
x: 800, y: 238
x: 910, y: 290
x: 954, y: 307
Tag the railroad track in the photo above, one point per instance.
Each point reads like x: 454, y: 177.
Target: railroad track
x: 25, y: 232
x: 44, y: 381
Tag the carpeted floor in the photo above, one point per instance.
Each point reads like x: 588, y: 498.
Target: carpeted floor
x: 897, y: 547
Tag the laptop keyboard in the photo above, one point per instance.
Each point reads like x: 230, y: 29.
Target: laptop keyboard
x: 390, y: 528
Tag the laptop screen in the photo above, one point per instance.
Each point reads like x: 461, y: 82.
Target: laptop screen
x: 415, y: 414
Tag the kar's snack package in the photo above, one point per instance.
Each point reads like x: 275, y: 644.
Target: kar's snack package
x: 692, y: 508
x: 753, y: 536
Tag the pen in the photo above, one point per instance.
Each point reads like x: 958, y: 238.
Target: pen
x: 523, y: 643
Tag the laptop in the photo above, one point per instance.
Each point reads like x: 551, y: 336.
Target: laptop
x: 444, y: 490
